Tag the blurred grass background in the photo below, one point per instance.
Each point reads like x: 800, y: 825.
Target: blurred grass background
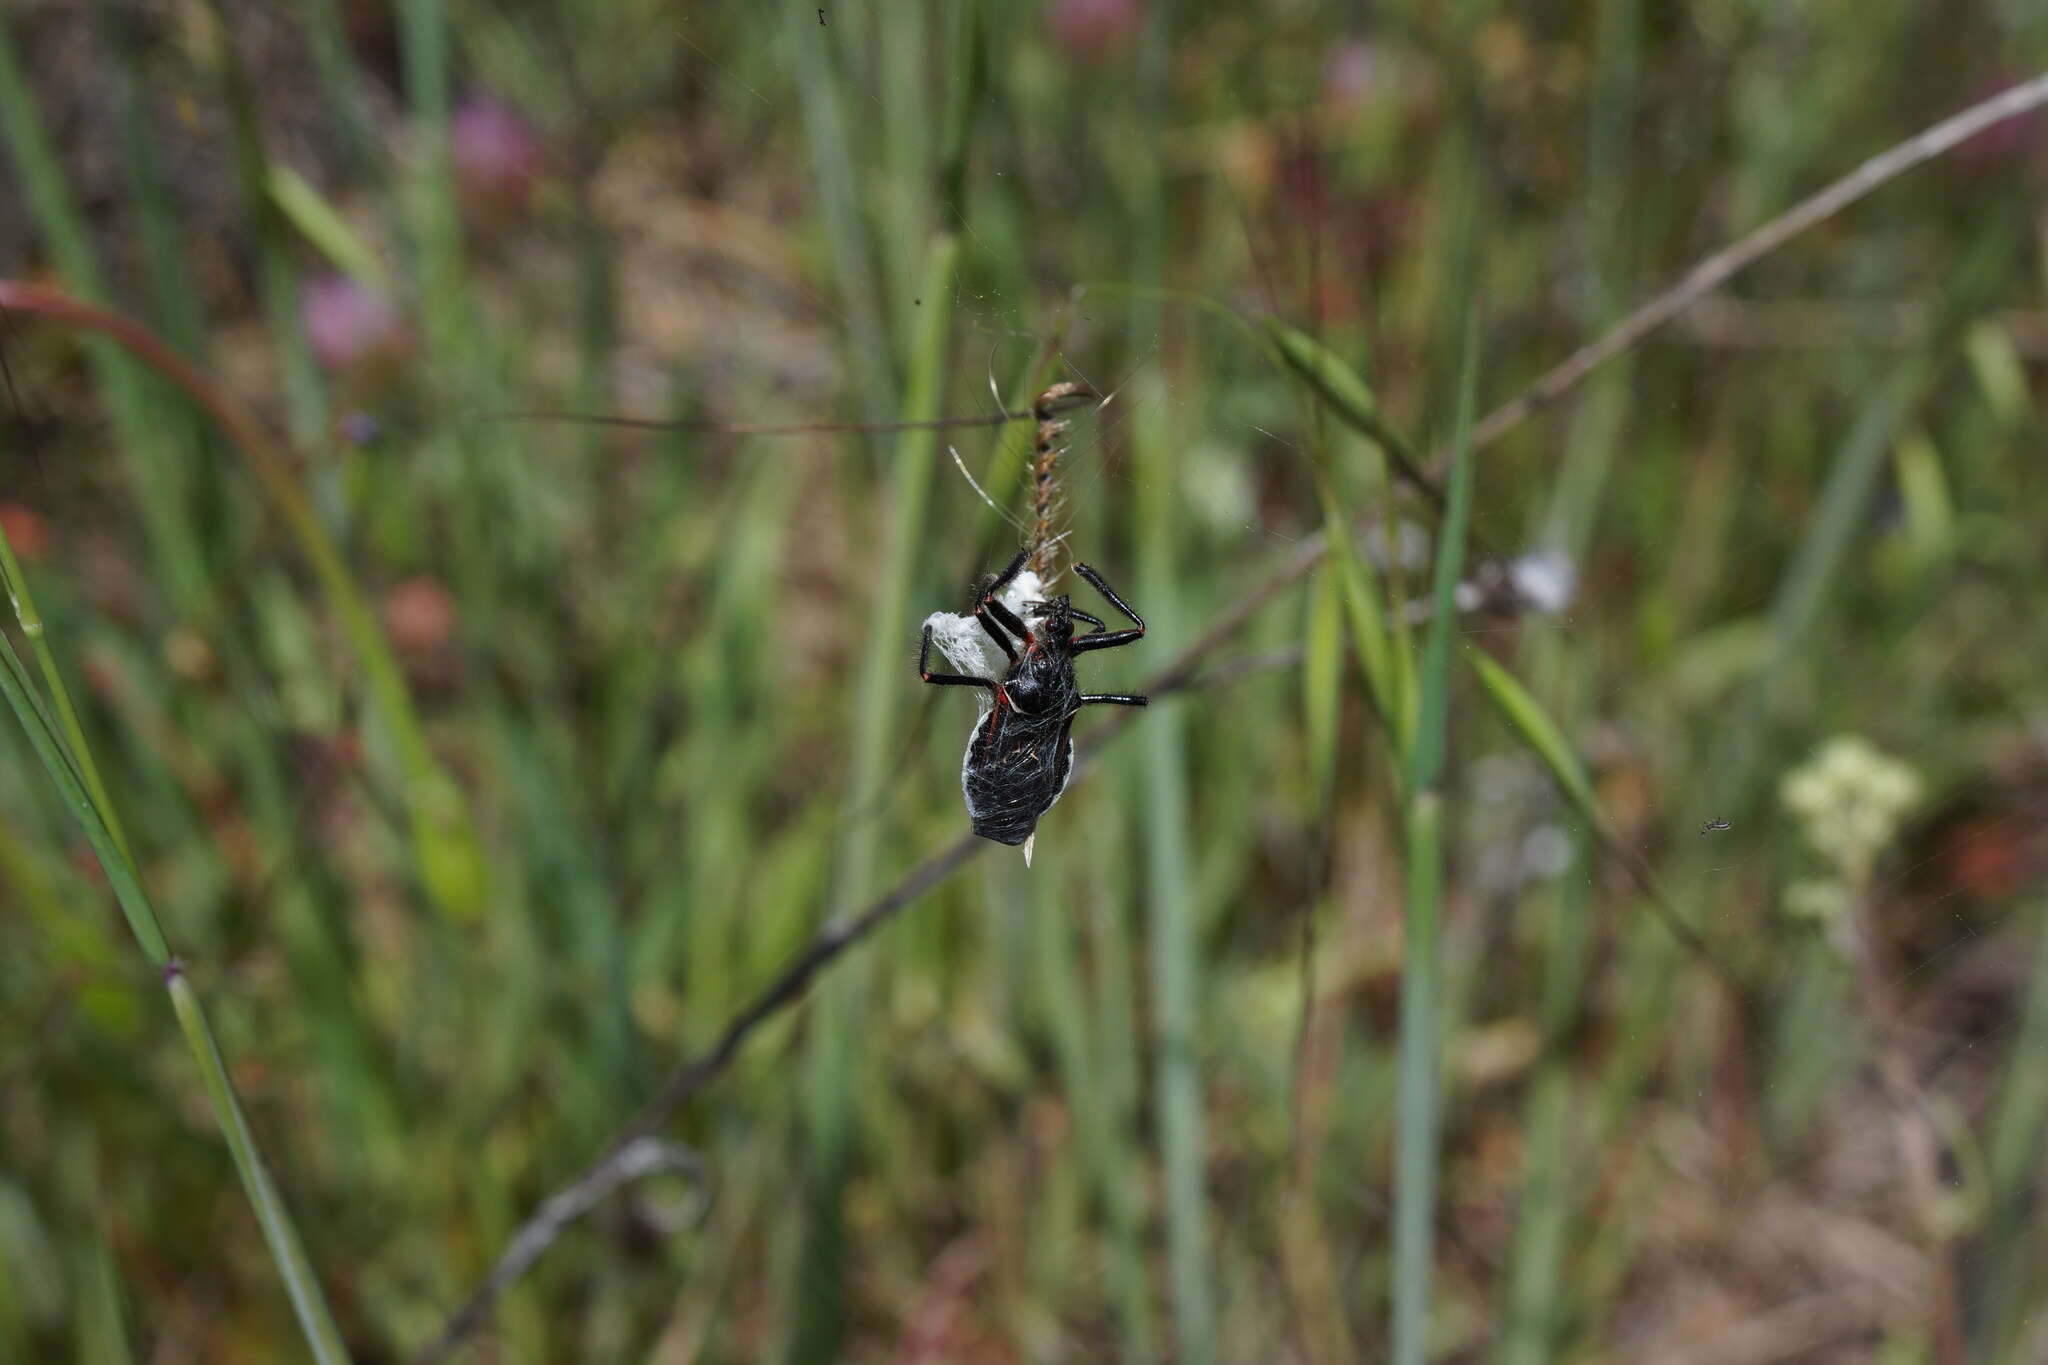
x: 480, y: 793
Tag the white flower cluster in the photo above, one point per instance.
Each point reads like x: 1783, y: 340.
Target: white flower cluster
x: 1849, y: 799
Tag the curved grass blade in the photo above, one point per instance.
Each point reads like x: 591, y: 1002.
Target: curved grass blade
x: 286, y: 1249
x: 1522, y: 711
x: 1350, y: 397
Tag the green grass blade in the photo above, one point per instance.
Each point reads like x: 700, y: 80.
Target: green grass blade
x: 429, y: 191
x: 1852, y: 479
x: 1382, y: 654
x: 172, y: 292
x: 1339, y: 386
x: 1322, y: 677
x: 1104, y: 1148
x: 1417, y: 1095
x: 276, y: 271
x: 831, y: 1067
x: 847, y: 238
x: 1426, y: 758
x: 1378, y: 625
x: 1170, y: 912
x: 62, y: 711
x: 283, y: 1238
x: 342, y: 86
x: 1421, y: 1048
x: 1522, y: 711
x: 878, y: 702
x: 285, y: 1247
x: 2015, y: 1139
x: 1536, y: 1288
x: 64, y: 774
x: 321, y: 224
x: 102, y: 1331
x: 1386, y: 679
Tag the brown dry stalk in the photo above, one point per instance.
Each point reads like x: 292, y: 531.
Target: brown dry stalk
x: 1045, y: 462
x: 695, y: 1072
x: 1715, y: 271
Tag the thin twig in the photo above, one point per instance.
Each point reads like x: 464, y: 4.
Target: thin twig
x: 636, y: 1160
x: 247, y: 434
x: 1828, y: 325
x: 693, y: 1074
x: 1711, y: 273
x: 789, y: 986
x: 608, y: 419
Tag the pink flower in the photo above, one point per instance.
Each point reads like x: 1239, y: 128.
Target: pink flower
x: 497, y: 158
x: 354, y: 330
x: 420, y: 613
x: 1092, y: 30
x: 1353, y: 74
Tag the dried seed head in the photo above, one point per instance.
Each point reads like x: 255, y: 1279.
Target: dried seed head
x: 1045, y: 494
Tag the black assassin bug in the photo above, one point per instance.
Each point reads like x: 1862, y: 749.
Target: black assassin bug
x: 1021, y: 753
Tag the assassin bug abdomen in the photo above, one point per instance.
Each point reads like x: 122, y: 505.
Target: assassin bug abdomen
x: 1021, y: 753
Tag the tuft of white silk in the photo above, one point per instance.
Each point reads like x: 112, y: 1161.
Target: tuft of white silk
x: 1545, y: 580
x: 1542, y: 582
x: 967, y: 646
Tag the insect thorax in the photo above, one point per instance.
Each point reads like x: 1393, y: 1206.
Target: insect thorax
x: 1042, y: 685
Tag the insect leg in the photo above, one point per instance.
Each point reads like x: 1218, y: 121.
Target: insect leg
x: 1111, y: 698
x: 986, y: 610
x: 1007, y: 576
x: 1107, y: 639
x: 989, y: 606
x: 924, y: 670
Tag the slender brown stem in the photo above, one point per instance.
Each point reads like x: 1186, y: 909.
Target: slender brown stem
x: 1715, y: 271
x: 634, y: 1159
x: 608, y: 419
x: 247, y: 434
